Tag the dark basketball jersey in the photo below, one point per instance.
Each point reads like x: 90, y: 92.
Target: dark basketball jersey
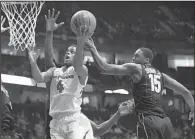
x: 147, y: 92
x: 7, y: 118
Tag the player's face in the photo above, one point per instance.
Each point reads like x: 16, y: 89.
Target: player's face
x: 139, y: 58
x: 69, y: 55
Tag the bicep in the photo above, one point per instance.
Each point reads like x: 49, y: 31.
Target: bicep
x: 167, y: 81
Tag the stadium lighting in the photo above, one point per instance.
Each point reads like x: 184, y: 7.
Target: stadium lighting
x: 108, y: 91
x: 121, y: 91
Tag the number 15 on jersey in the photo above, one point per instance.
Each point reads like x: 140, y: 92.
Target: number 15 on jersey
x: 155, y: 83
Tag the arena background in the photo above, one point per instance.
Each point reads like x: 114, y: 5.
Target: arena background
x: 165, y: 27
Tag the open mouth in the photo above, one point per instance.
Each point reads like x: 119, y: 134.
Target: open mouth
x: 67, y: 57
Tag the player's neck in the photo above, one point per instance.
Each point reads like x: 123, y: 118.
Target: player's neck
x: 148, y: 64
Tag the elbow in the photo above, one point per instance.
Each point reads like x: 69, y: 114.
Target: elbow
x: 97, y: 131
x: 103, y: 69
x: 38, y: 79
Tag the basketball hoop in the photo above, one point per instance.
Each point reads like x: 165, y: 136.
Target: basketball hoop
x: 22, y: 17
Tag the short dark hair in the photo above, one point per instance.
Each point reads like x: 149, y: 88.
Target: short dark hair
x: 147, y: 53
x: 72, y: 45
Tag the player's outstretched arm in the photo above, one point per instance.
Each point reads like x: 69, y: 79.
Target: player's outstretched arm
x: 110, y: 69
x: 181, y: 90
x: 51, y: 26
x: 79, y: 67
x: 36, y: 73
x: 2, y: 22
x: 125, y: 108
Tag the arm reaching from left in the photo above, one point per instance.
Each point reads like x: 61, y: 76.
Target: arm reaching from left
x: 125, y: 108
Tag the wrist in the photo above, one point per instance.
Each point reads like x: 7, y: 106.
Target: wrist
x: 32, y: 62
x: 93, y: 49
x: 118, y: 115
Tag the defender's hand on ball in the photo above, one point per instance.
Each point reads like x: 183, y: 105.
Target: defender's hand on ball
x: 51, y: 21
x: 126, y: 108
x: 2, y: 22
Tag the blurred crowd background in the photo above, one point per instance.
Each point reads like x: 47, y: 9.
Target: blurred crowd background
x: 165, y: 27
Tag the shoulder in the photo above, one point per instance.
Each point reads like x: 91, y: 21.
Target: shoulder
x: 133, y: 67
x: 55, y: 70
x: 85, y: 69
x: 135, y: 72
x: 52, y: 69
x: 82, y: 75
x: 165, y: 77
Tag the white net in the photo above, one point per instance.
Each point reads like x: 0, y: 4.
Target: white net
x: 22, y: 17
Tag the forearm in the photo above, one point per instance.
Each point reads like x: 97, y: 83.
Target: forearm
x: 102, y: 65
x: 189, y: 99
x: 78, y: 58
x: 49, y: 54
x: 36, y: 73
x: 105, y: 126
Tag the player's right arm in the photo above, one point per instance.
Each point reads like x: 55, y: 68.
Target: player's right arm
x: 36, y: 73
x: 51, y: 26
x: 125, y: 108
x: 110, y: 69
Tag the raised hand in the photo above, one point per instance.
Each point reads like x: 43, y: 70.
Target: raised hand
x: 2, y: 22
x: 51, y: 18
x: 83, y: 34
x: 33, y: 56
x: 126, y: 107
x: 89, y: 43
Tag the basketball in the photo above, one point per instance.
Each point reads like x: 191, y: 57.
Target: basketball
x: 83, y: 18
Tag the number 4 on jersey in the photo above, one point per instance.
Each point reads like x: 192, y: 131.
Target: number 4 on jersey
x: 155, y: 83
x: 60, y: 86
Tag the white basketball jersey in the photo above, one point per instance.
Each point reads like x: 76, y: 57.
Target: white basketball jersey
x: 65, y: 92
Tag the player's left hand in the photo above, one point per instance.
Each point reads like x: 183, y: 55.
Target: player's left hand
x: 192, y: 117
x: 126, y: 108
x: 2, y: 22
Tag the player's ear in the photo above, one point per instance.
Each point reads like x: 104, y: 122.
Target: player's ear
x: 147, y: 60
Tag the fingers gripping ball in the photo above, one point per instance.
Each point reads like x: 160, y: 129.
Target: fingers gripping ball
x: 84, y: 20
